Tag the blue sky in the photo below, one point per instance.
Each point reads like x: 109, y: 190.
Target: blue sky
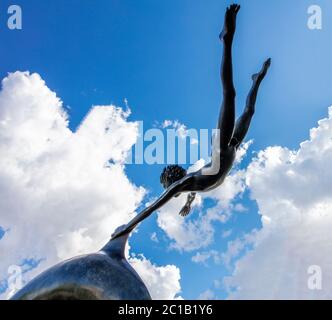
x: 164, y: 57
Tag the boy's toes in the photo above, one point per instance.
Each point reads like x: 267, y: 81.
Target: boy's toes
x: 266, y: 65
x: 234, y: 8
x: 268, y: 62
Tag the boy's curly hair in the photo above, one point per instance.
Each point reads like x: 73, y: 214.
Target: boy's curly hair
x: 172, y: 174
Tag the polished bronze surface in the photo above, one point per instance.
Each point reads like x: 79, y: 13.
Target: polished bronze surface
x: 105, y: 275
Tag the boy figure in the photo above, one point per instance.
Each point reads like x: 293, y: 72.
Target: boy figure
x: 227, y: 141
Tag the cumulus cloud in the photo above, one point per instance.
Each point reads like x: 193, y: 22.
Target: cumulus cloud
x: 203, y: 257
x: 180, y: 129
x: 236, y: 247
x: 184, y: 234
x: 163, y: 282
x: 207, y: 295
x: 293, y: 193
x: 62, y: 193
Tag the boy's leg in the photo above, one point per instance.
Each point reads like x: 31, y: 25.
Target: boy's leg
x: 243, y: 123
x: 227, y: 113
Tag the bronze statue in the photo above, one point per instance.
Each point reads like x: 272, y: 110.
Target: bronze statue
x: 107, y: 275
x: 228, y: 139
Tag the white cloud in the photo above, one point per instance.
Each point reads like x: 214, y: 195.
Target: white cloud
x: 185, y: 234
x: 236, y: 247
x: 62, y: 193
x: 293, y: 192
x: 166, y: 124
x: 180, y: 128
x: 203, y: 257
x: 154, y: 237
x: 163, y: 283
x: 207, y: 295
x: 226, y: 234
x: 242, y: 151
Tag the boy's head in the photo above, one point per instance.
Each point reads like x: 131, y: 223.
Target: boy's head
x: 172, y: 174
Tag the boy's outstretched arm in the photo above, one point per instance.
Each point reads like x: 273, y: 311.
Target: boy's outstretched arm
x: 172, y: 191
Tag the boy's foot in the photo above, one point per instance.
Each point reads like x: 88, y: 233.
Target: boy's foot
x: 261, y: 75
x: 230, y: 23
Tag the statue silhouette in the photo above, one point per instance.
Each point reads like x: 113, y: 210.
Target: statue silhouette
x: 226, y: 142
